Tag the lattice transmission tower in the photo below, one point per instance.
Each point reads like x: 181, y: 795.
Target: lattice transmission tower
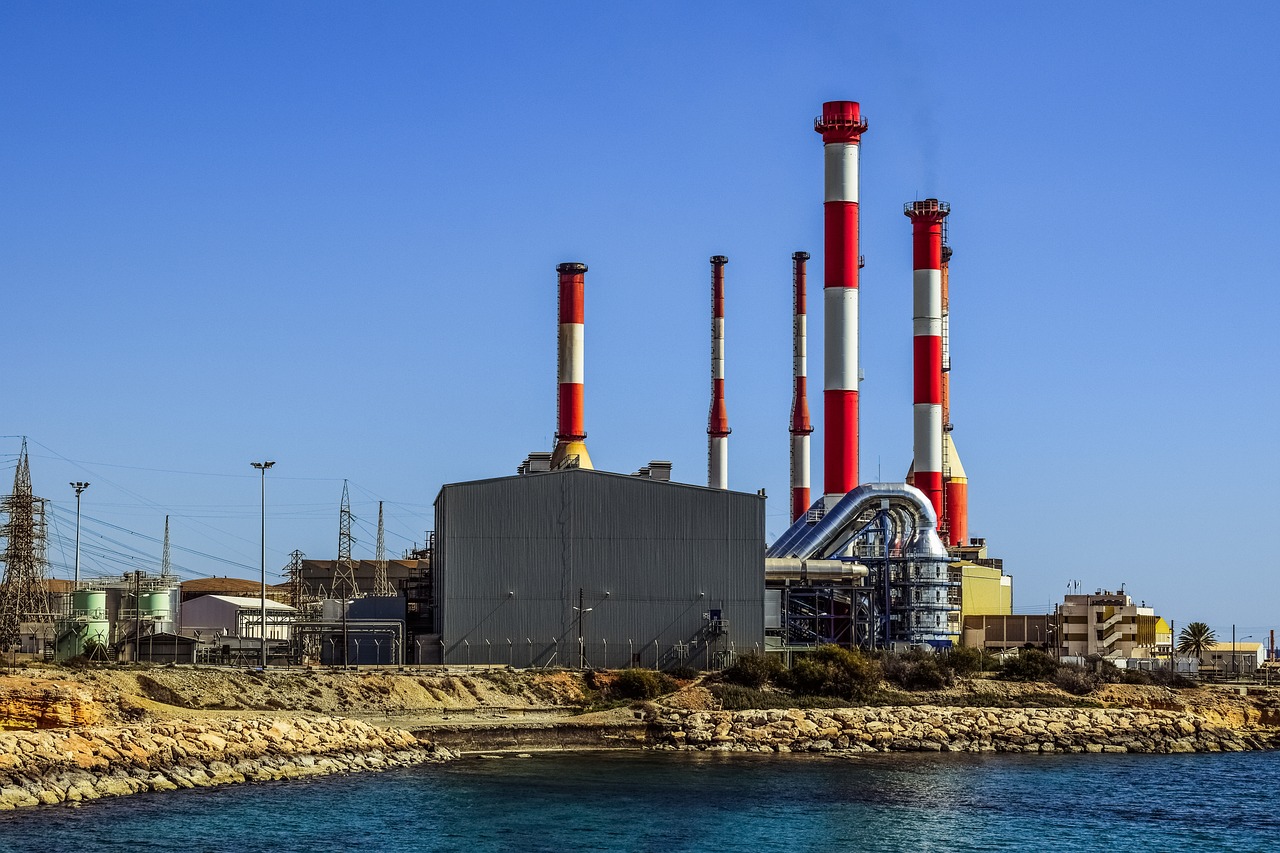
x: 23, y: 597
x: 381, y: 585
x: 166, y: 566
x: 344, y: 571
x: 297, y: 589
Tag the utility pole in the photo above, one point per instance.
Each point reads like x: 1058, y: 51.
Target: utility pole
x: 581, y: 609
x: 137, y: 614
x: 262, y: 467
x: 80, y: 487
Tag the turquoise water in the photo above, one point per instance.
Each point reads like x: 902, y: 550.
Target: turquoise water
x: 704, y: 802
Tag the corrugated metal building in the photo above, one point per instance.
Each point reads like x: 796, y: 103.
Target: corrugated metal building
x: 580, y: 567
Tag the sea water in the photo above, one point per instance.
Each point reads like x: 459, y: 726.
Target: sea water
x: 704, y: 802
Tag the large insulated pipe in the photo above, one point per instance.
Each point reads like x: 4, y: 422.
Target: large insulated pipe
x: 955, y: 485
x: 801, y: 428
x: 791, y: 568
x: 926, y: 222
x: 841, y: 125
x: 717, y: 419
x: 571, y: 449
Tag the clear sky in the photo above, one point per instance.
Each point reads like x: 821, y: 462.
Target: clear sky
x: 326, y: 234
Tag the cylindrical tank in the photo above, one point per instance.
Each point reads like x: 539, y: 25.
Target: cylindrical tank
x: 154, y: 605
x: 89, y: 604
x: 96, y: 632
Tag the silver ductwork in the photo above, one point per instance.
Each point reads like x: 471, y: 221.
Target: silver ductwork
x: 914, y: 525
x: 881, y: 538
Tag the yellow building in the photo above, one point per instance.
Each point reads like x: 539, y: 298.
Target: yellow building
x: 984, y: 590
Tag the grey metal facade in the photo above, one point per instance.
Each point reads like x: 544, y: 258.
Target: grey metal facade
x: 653, y: 562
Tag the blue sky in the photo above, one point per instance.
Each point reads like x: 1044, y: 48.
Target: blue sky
x: 326, y: 234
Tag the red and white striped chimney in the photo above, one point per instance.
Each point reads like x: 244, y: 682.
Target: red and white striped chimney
x: 801, y: 428
x: 571, y: 449
x: 955, y: 483
x: 841, y: 125
x: 926, y: 224
x: 718, y: 419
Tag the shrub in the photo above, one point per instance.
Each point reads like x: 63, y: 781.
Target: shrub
x: 1075, y: 680
x: 1169, y: 678
x: 1136, y: 676
x: 965, y: 660
x: 642, y: 684
x: 915, y: 670
x: 1028, y: 665
x: 754, y: 670
x: 833, y: 671
x: 733, y: 697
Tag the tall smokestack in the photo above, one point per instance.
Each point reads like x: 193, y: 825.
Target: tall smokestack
x: 926, y: 225
x: 841, y: 126
x: 570, y: 450
x: 955, y: 485
x: 718, y: 419
x: 801, y: 428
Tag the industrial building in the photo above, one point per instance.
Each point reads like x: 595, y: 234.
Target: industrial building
x: 576, y: 567
x: 316, y: 578
x: 1107, y: 624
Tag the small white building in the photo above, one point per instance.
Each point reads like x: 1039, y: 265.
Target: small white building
x: 235, y: 616
x: 1233, y: 658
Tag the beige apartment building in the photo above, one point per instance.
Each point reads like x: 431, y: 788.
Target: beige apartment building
x: 1107, y: 624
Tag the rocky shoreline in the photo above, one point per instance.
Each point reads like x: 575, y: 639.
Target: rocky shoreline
x: 949, y: 729
x: 45, y: 767
x: 75, y: 737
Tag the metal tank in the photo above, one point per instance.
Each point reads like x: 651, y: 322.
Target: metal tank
x: 87, y: 629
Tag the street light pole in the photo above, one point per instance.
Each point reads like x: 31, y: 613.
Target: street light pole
x: 79, y: 487
x: 263, y: 466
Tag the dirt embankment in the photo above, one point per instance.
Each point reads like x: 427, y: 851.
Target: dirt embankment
x: 55, y: 698
x: 58, y: 698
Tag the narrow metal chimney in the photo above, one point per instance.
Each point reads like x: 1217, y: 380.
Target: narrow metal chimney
x: 571, y: 449
x: 717, y: 419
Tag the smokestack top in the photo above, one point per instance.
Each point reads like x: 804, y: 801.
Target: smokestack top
x: 799, y: 256
x: 719, y: 260
x: 841, y: 121
x: 570, y: 267
x: 929, y: 208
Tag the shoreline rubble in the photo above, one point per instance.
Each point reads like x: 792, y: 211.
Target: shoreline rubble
x: 50, y: 766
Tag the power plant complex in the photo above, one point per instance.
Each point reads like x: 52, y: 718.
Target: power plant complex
x: 564, y: 564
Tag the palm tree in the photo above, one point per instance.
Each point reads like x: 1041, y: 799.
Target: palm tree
x: 1195, y: 638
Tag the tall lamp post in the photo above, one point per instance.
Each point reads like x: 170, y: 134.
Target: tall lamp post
x: 1235, y: 660
x: 79, y: 487
x: 263, y: 466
